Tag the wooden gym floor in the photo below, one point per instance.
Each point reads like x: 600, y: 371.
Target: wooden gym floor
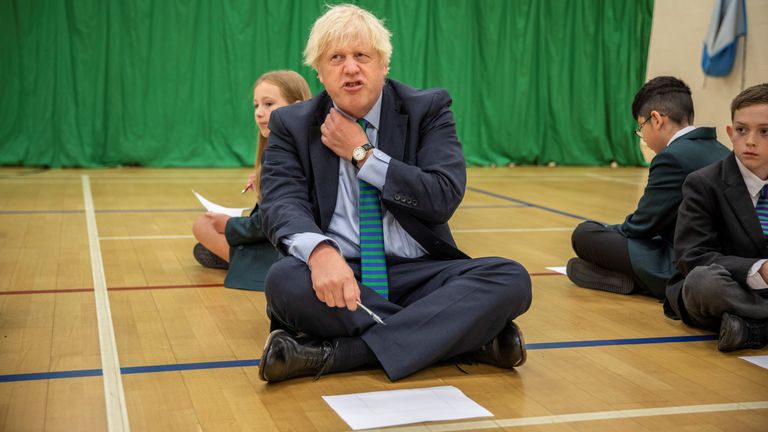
x: 73, y: 241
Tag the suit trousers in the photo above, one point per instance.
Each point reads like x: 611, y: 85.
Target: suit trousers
x: 594, y: 242
x: 709, y: 291
x: 437, y: 309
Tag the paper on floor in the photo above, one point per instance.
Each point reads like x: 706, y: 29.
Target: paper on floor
x: 215, y: 208
x: 557, y: 269
x: 761, y: 361
x: 396, y: 407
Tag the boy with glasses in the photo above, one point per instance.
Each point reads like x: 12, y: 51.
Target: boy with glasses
x: 636, y: 256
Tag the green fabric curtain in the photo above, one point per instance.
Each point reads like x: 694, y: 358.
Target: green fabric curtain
x: 168, y: 82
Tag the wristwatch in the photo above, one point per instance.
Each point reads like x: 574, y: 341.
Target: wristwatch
x: 358, y: 154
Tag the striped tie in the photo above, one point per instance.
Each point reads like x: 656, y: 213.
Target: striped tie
x: 762, y: 209
x: 373, y: 263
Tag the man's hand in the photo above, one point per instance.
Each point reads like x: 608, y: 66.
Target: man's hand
x: 341, y: 134
x: 332, y: 279
x: 218, y: 220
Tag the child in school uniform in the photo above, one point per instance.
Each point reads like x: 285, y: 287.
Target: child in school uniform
x: 237, y: 243
x: 721, y: 240
x: 636, y: 256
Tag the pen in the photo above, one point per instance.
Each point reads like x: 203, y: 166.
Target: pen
x: 373, y: 315
x: 245, y: 189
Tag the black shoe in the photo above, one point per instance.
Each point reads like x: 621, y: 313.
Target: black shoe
x: 206, y: 258
x: 740, y: 333
x: 506, y: 350
x: 587, y: 275
x: 286, y: 357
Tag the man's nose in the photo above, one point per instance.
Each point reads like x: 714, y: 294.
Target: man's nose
x: 351, y: 66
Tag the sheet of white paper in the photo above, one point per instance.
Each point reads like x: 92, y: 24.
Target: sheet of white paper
x: 557, y: 269
x: 215, y: 208
x: 396, y: 407
x: 761, y: 361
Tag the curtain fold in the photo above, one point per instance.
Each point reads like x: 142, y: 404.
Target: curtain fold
x: 168, y: 83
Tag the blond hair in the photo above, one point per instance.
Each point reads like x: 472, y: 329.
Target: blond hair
x: 293, y: 88
x: 342, y: 25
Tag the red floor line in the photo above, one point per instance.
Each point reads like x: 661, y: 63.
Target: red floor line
x: 154, y: 287
x: 134, y: 288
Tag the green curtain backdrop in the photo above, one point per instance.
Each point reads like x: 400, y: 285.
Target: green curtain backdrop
x: 167, y: 83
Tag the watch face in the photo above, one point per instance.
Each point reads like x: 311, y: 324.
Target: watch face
x: 358, y: 154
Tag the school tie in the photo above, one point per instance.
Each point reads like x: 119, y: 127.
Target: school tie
x: 762, y: 209
x: 373, y: 263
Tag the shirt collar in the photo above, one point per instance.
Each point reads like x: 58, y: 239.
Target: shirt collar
x: 373, y: 117
x: 680, y: 133
x: 753, y: 182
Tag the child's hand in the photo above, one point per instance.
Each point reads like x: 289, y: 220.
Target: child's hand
x: 249, y: 185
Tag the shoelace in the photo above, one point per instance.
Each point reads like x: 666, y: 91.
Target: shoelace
x: 326, y: 360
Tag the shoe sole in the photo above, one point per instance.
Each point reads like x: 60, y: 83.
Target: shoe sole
x: 588, y: 275
x: 522, y: 345
x: 265, y: 354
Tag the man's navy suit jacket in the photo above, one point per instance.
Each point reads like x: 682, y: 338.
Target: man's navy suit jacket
x: 425, y: 180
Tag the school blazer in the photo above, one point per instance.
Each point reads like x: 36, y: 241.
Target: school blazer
x: 250, y: 254
x: 425, y: 180
x: 650, y: 228
x: 716, y: 224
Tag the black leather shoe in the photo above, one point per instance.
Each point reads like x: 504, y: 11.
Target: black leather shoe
x: 588, y: 275
x: 740, y: 333
x: 286, y: 357
x: 506, y: 350
x: 206, y: 258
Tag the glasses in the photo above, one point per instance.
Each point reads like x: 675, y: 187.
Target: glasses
x: 639, y: 130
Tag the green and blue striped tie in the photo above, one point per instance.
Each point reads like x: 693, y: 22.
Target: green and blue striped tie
x: 373, y: 262
x: 762, y: 209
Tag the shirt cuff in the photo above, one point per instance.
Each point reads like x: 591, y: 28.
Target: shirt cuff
x: 374, y: 170
x: 301, y: 245
x: 754, y: 278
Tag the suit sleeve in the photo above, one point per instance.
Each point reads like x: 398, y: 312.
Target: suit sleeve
x: 698, y: 231
x: 658, y: 205
x: 286, y: 206
x: 431, y: 188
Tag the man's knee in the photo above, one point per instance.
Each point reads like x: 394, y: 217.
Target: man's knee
x: 287, y: 281
x: 514, y: 280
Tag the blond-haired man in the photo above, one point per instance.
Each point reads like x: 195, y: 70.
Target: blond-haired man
x: 394, y: 148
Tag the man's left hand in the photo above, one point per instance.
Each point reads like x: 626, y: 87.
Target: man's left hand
x: 341, y: 134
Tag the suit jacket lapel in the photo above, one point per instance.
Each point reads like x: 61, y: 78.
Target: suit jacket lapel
x: 325, y: 167
x: 736, y: 193
x: 393, y: 125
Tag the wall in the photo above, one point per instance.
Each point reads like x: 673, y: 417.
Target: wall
x: 677, y: 38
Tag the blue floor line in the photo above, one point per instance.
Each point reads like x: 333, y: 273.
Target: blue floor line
x: 529, y: 204
x: 255, y: 362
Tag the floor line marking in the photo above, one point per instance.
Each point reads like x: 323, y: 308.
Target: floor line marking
x: 494, y: 230
x: 591, y: 416
x: 529, y: 204
x: 128, y: 288
x: 148, y: 237
x: 75, y: 211
x: 114, y: 396
x: 255, y: 362
x: 611, y: 179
